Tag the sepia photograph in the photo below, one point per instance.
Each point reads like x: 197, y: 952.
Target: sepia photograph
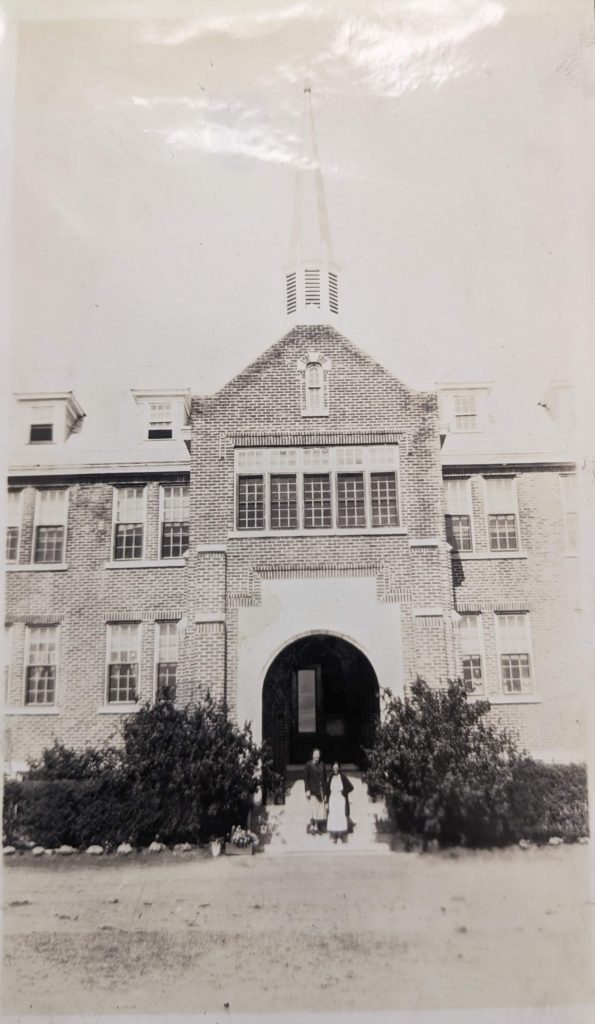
x: 297, y: 323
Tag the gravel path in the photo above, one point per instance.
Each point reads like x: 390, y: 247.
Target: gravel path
x: 182, y: 933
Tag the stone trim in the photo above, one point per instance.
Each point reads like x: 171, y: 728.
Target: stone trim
x: 35, y: 620
x: 37, y: 567
x: 314, y: 571
x: 210, y: 628
x: 147, y: 563
x: 304, y: 439
x: 493, y: 606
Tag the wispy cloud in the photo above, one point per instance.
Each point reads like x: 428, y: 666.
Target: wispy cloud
x: 242, y: 25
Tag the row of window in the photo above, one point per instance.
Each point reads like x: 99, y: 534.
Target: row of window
x: 513, y: 642
x: 129, y: 517
x: 502, y: 515
x: 122, y: 667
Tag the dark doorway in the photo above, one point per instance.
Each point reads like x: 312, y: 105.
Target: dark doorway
x: 320, y: 691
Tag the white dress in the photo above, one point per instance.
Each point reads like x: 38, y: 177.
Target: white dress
x: 337, y: 819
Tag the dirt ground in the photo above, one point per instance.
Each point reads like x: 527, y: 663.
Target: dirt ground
x: 182, y: 933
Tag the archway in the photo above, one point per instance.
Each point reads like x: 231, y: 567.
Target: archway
x: 320, y: 691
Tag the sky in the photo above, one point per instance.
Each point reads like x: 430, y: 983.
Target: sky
x: 151, y: 163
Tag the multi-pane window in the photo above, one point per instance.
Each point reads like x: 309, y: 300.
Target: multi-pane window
x: 514, y: 651
x: 161, y: 424
x: 284, y: 510
x: 471, y: 652
x: 167, y: 659
x: 351, y: 509
x: 40, y: 665
x: 465, y: 416
x: 457, y: 498
x: 314, y: 388
x: 129, y: 515
x: 317, y: 488
x: 175, y: 516
x: 123, y: 663
x: 501, y: 503
x: 41, y: 427
x: 51, y: 511
x: 13, y: 525
x: 383, y: 496
x: 317, y: 501
x: 250, y: 503
x: 570, y: 509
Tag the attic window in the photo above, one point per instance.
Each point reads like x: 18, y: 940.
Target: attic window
x: 314, y: 384
x: 161, y: 425
x: 41, y: 427
x: 314, y: 388
x: 312, y: 288
x: 290, y: 281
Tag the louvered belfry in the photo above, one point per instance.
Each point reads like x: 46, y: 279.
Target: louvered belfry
x: 311, y: 273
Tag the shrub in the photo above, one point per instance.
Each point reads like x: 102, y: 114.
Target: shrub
x: 60, y: 762
x: 548, y: 800
x: 66, y: 811
x: 443, y: 769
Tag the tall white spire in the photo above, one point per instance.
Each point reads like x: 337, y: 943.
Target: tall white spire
x: 311, y: 274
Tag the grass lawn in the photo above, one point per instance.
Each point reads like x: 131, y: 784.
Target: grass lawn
x: 181, y: 933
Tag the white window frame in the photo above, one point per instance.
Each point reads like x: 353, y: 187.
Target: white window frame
x: 115, y: 523
x: 108, y: 651
x: 468, y: 504
x: 162, y: 488
x: 38, y: 521
x: 480, y: 652
x: 515, y: 694
x: 14, y: 518
x: 28, y: 632
x: 264, y: 465
x: 513, y: 510
x: 156, y: 650
x: 569, y: 508
x: 35, y: 418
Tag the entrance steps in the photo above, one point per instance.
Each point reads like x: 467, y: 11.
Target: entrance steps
x: 286, y: 824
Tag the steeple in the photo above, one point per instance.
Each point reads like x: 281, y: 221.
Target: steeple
x: 311, y: 274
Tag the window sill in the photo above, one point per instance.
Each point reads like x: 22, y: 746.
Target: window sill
x: 315, y: 415
x: 480, y: 556
x: 37, y: 567
x: 380, y: 531
x: 119, y: 709
x: 30, y: 709
x: 511, y: 698
x: 146, y: 563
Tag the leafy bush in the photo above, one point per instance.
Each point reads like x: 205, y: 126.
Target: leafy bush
x: 443, y: 769
x: 182, y: 775
x: 548, y: 800
x: 449, y: 775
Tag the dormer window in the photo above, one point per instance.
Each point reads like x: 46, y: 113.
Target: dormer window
x: 161, y: 424
x: 314, y: 384
x: 465, y: 413
x: 48, y: 418
x: 463, y: 407
x: 166, y: 413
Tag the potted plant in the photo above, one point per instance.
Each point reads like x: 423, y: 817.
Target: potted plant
x: 217, y: 845
x: 241, y: 841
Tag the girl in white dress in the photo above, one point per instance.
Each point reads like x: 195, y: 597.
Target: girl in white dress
x: 339, y: 788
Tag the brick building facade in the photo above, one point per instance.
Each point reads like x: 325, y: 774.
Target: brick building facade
x: 312, y: 533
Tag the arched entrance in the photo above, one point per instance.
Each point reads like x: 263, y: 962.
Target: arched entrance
x: 319, y: 691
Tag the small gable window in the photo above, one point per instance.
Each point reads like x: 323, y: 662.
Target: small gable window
x: 161, y: 424
x: 42, y: 425
x: 314, y: 384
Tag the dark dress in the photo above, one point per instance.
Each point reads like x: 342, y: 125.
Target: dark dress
x: 315, y: 783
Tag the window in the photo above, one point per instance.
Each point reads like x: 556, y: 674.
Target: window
x: 317, y: 501
x: 51, y: 512
x: 385, y: 511
x: 41, y: 427
x: 465, y: 416
x: 284, y: 511
x: 514, y: 651
x: 123, y: 663
x: 250, y: 503
x: 314, y: 388
x: 351, y: 509
x: 502, y: 512
x: 167, y: 658
x: 457, y: 498
x: 317, y: 488
x: 471, y: 652
x: 570, y: 509
x: 161, y: 424
x: 40, y: 661
x: 175, y: 526
x: 13, y: 525
x: 129, y: 514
